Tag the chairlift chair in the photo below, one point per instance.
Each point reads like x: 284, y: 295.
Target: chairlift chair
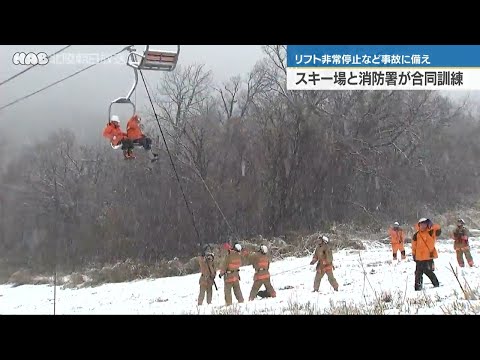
x: 122, y: 100
x: 158, y: 60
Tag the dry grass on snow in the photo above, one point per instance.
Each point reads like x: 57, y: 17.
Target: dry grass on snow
x: 129, y: 270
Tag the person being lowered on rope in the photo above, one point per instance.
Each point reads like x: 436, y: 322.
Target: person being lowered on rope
x: 135, y: 134
x: 114, y: 133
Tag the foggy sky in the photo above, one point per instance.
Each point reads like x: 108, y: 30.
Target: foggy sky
x: 81, y: 102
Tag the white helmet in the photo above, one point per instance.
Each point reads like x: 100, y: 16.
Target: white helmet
x: 238, y: 247
x: 396, y: 223
x: 115, y: 118
x: 263, y: 249
x: 422, y: 220
x: 325, y: 239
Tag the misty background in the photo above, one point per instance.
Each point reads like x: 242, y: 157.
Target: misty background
x: 81, y: 102
x: 252, y: 157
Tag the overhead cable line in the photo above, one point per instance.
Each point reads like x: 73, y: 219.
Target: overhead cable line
x: 63, y: 79
x: 31, y: 67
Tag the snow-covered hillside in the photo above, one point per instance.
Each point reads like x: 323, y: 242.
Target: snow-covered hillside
x: 369, y: 283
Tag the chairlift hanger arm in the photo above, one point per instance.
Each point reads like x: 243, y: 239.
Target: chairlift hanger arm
x: 176, y: 61
x: 134, y: 86
x: 125, y: 100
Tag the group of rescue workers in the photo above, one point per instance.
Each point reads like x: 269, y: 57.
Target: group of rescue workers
x: 260, y: 261
x: 229, y: 270
x: 423, y: 253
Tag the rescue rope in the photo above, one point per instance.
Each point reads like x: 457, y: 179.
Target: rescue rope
x: 30, y: 67
x: 175, y: 170
x: 63, y: 79
x: 171, y: 160
x: 197, y: 172
x: 285, y: 271
x: 215, y: 201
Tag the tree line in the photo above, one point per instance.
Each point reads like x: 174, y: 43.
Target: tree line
x: 252, y: 158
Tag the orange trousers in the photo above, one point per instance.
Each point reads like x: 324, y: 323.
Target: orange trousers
x: 396, y: 247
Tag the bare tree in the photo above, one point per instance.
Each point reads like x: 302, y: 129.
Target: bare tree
x: 252, y: 158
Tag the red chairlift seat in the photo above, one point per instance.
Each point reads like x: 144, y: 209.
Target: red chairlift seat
x: 162, y: 60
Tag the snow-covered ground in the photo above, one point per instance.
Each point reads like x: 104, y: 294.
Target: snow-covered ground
x: 369, y: 283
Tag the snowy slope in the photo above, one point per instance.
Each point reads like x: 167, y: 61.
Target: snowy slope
x: 369, y: 283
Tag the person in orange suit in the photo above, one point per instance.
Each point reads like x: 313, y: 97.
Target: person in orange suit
x: 136, y: 135
x: 397, y: 239
x: 424, y: 251
x: 114, y: 133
